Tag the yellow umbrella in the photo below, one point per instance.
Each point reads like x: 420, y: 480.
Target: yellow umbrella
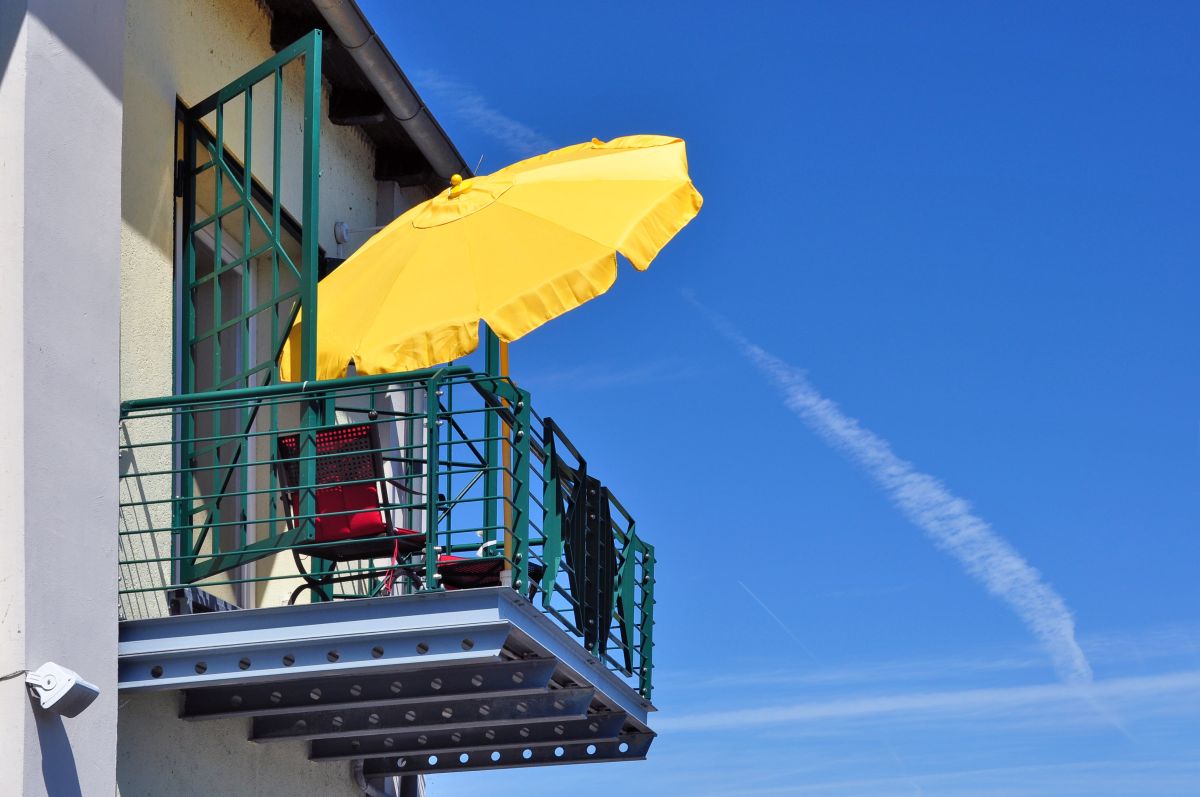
x: 514, y: 249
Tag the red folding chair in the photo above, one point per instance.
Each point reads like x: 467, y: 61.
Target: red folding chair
x: 352, y: 522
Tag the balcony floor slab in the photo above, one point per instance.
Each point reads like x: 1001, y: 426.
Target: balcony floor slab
x: 372, y: 676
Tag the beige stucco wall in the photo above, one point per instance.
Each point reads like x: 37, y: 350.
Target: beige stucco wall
x: 60, y: 128
x: 189, y: 49
x: 159, y: 754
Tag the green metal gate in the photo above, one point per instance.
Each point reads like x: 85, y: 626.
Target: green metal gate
x: 244, y: 280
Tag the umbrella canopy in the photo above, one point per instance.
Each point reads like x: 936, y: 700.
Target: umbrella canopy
x: 514, y: 249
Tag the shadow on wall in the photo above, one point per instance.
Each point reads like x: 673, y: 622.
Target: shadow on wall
x: 157, y: 754
x: 58, y: 759
x: 11, y: 15
x: 90, y: 35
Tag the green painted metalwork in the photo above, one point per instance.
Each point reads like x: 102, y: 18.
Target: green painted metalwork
x: 287, y: 389
x: 623, y: 599
x: 433, y: 425
x: 646, y: 625
x: 219, y: 347
x: 520, y: 498
x: 491, y: 484
x: 310, y: 218
x: 432, y: 469
x: 552, y: 522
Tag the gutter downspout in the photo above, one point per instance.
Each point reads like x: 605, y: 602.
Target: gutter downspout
x: 408, y: 785
x: 355, y: 33
x: 360, y: 780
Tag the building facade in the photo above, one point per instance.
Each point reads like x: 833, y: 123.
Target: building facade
x: 375, y: 579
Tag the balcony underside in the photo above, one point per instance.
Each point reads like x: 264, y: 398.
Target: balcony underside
x: 431, y: 682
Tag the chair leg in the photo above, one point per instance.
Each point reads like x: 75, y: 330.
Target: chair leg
x: 318, y: 588
x: 315, y: 583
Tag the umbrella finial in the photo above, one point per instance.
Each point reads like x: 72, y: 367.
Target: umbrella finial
x: 455, y: 180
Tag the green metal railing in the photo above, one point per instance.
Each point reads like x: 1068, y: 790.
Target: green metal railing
x: 216, y: 503
x: 464, y: 461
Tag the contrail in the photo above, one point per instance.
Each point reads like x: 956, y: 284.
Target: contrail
x: 925, y: 501
x: 475, y: 110
x: 779, y: 620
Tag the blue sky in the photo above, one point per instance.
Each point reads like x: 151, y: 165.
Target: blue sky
x: 973, y: 228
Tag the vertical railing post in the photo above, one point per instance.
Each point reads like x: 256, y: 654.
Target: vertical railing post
x: 646, y: 626
x: 432, y: 466
x: 552, y: 519
x: 624, y: 595
x: 311, y: 407
x: 313, y: 411
x: 491, y: 431
x: 311, y: 209
x: 185, y: 426
x: 520, y: 494
x: 213, y: 521
x: 248, y: 412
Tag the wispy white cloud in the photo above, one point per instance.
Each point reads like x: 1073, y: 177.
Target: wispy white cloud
x: 1181, y: 690
x: 1145, y: 645
x: 1098, y: 778
x: 946, y: 518
x: 1156, y: 648
x: 465, y: 102
x: 915, y: 671
x: 971, y: 738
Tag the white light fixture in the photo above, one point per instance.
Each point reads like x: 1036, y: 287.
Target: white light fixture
x: 61, y: 690
x: 342, y: 232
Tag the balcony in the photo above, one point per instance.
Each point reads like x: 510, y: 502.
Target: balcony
x: 415, y: 570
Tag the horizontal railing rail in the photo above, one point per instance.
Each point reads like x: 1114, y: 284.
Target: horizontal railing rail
x: 373, y: 486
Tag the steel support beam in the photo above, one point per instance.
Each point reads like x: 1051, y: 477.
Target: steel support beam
x: 371, y: 690
x: 543, y: 635
x: 557, y: 731
x: 628, y: 747
x: 454, y: 713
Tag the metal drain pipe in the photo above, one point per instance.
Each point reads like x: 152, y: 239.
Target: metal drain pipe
x: 402, y: 785
x: 360, y: 780
x: 355, y: 33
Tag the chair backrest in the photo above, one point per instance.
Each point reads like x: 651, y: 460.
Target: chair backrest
x: 349, y: 461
